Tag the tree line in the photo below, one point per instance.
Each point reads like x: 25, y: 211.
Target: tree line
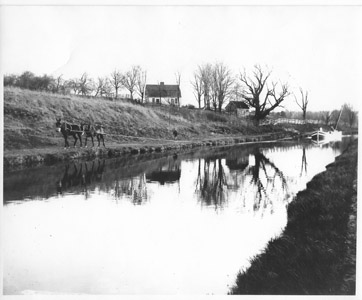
x: 132, y: 80
x: 213, y: 86
x: 347, y: 116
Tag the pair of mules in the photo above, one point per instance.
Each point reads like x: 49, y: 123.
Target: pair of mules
x: 76, y: 131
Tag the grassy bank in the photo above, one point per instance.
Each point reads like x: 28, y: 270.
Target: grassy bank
x: 30, y: 135
x: 316, y: 253
x: 29, y: 119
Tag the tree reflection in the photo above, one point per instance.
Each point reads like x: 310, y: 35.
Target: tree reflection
x: 211, y: 184
x: 134, y: 188
x: 69, y: 179
x: 303, y: 168
x: 265, y: 176
x: 81, y: 178
x: 250, y: 172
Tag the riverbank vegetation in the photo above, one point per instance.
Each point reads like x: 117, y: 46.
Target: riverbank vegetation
x: 316, y: 253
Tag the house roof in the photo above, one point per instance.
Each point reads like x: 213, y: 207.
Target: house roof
x: 238, y: 104
x: 163, y: 90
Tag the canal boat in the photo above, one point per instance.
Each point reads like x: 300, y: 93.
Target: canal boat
x: 321, y: 136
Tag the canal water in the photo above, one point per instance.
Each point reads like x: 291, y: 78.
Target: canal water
x: 151, y: 224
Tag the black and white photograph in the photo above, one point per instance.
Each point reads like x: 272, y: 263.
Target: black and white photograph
x: 179, y: 149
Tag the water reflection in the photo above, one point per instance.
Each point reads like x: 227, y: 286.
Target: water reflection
x: 150, y: 224
x: 76, y: 176
x: 211, y: 182
x: 218, y: 173
x: 266, y: 179
x: 303, y: 168
x: 170, y: 172
x: 134, y: 188
x: 243, y: 171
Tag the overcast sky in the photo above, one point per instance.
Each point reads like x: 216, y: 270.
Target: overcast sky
x: 316, y: 47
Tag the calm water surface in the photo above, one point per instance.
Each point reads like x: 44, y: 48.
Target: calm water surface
x: 181, y: 224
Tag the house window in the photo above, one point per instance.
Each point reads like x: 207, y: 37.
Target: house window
x: 157, y: 101
x: 153, y: 100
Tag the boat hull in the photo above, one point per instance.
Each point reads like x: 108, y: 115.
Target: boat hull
x: 326, y: 137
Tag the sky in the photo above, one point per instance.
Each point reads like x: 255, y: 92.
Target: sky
x: 314, y: 47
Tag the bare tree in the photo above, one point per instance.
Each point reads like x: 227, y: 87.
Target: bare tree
x: 129, y: 79
x: 107, y: 88
x: 178, y: 82
x: 102, y: 87
x: 57, y: 85
x: 263, y: 102
x: 213, y: 90
x: 206, y: 77
x: 303, y: 103
x: 85, y: 85
x: 73, y: 85
x: 116, y: 81
x: 235, y: 93
x: 198, y: 87
x: 141, y: 84
x: 223, y: 81
x: 98, y: 86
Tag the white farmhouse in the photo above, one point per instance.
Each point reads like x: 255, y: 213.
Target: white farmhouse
x: 163, y: 94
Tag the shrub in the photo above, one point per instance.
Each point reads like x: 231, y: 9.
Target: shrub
x: 215, y: 117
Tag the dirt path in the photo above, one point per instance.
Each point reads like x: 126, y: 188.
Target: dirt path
x: 28, y: 157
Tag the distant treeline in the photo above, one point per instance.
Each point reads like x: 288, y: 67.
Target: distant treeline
x: 132, y: 81
x: 347, y: 116
x: 28, y: 80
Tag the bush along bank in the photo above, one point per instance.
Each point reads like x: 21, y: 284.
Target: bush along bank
x: 55, y: 155
x: 316, y: 253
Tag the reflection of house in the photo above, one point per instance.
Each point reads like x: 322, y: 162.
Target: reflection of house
x: 164, y: 176
x: 239, y: 108
x: 163, y: 94
x: 239, y: 163
x: 171, y: 172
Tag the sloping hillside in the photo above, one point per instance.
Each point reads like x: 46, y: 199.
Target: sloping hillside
x: 29, y: 119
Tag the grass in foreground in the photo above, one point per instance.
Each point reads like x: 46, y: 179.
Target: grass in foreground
x: 316, y: 253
